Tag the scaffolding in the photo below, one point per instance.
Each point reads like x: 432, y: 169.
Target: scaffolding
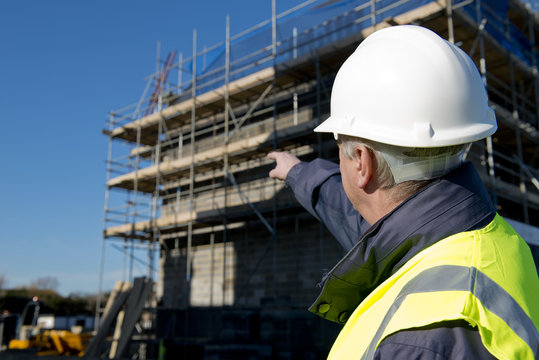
x: 187, y: 167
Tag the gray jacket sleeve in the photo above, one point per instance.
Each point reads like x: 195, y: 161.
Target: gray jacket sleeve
x: 317, y: 186
x: 454, y: 339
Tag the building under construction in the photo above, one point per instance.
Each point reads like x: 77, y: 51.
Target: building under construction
x: 187, y: 174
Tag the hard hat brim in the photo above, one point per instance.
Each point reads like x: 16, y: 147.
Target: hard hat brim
x: 421, y: 135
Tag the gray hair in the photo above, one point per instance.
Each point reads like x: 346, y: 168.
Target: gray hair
x: 383, y: 171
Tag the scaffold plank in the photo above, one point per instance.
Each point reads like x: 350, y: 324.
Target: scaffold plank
x: 207, y: 98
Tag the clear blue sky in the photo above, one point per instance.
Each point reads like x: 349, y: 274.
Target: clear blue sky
x: 64, y: 65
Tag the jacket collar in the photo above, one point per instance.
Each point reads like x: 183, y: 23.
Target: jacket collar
x: 452, y: 204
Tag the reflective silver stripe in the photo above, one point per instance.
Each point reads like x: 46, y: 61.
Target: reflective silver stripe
x: 500, y: 302
x: 461, y: 278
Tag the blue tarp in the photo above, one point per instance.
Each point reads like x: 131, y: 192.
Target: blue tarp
x: 503, y: 31
x: 328, y: 21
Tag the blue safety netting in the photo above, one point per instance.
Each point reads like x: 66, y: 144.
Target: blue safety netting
x: 494, y: 13
x: 298, y: 33
x: 321, y: 23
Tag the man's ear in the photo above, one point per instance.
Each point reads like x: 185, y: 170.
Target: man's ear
x: 365, y: 166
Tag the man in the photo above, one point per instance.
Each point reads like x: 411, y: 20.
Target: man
x: 432, y: 271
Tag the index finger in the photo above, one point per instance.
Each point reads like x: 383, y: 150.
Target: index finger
x: 272, y: 155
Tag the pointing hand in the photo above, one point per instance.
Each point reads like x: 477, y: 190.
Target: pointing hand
x: 285, y: 162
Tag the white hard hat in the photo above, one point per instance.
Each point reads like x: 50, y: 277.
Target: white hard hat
x: 406, y: 86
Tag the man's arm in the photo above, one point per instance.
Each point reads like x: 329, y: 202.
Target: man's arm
x: 318, y: 188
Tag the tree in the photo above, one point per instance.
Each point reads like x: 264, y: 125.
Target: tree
x: 45, y: 283
x: 3, y: 282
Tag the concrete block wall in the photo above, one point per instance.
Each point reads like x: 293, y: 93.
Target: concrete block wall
x: 251, y: 266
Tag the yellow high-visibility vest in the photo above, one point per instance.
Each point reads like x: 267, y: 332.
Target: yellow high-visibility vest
x: 486, y: 277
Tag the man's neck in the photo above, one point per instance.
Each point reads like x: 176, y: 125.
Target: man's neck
x: 376, y: 205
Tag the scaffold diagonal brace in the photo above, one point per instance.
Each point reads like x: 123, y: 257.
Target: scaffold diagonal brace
x: 233, y: 116
x: 525, y: 168
x: 245, y: 200
x: 262, y: 96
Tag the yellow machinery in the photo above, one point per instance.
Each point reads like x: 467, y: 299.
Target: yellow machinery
x: 47, y: 342
x: 54, y: 342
